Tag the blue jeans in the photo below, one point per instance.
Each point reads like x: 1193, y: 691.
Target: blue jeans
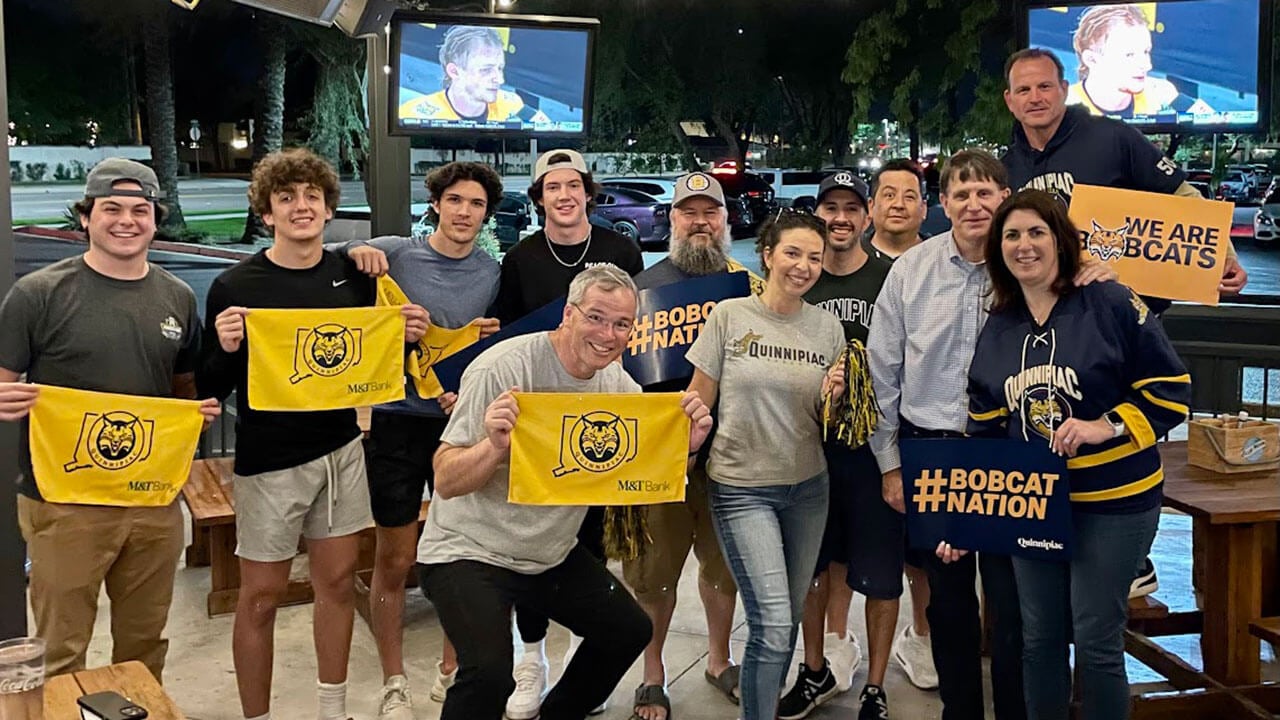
x: 1092, y: 594
x: 770, y: 537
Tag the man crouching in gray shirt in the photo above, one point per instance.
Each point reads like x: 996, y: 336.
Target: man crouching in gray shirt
x: 479, y: 554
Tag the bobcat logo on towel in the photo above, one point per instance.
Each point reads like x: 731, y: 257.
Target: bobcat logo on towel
x: 112, y: 441
x: 597, y: 442
x: 326, y: 350
x: 1104, y: 244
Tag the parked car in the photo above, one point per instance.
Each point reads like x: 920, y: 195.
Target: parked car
x: 1250, y: 176
x: 642, y: 218
x: 1266, y: 223
x: 750, y: 188
x: 1234, y: 187
x: 792, y: 185
x: 515, y: 213
x: 661, y: 189
x: 1204, y: 176
x: 1203, y: 187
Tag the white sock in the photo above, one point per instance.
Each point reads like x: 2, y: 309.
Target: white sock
x: 537, y: 650
x: 264, y: 716
x: 332, y: 700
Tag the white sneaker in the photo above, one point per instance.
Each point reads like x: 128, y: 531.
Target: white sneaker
x: 443, y: 682
x: 531, y: 685
x: 915, y: 656
x: 395, y: 703
x: 574, y: 642
x: 845, y: 656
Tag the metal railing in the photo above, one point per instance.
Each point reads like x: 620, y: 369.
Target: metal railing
x: 1233, y: 355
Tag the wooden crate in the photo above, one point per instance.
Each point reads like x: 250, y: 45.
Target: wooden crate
x: 1233, y: 446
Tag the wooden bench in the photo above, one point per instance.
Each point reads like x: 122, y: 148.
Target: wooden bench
x: 213, y: 536
x: 130, y: 679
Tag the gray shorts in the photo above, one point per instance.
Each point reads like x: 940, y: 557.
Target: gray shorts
x: 327, y: 497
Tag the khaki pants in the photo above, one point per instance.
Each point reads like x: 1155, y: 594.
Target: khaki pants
x: 73, y: 550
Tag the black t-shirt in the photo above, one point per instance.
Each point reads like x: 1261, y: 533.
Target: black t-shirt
x: 851, y: 297
x: 534, y: 274
x: 267, y: 441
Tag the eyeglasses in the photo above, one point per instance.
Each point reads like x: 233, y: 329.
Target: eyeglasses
x: 622, y: 327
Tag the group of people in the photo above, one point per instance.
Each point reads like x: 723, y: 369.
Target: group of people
x: 773, y: 513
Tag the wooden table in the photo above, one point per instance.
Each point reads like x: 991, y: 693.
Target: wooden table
x: 1237, y: 510
x: 130, y: 679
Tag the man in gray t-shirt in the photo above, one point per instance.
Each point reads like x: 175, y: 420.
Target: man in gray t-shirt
x: 104, y: 321
x: 480, y: 554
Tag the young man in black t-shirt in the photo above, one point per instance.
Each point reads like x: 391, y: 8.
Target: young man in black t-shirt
x: 535, y: 272
x: 296, y: 473
x: 540, y: 267
x: 864, y: 539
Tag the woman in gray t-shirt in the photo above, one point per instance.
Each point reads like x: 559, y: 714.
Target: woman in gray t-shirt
x: 770, y: 359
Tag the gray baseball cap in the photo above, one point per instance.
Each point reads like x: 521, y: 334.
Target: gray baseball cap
x: 103, y: 177
x: 556, y: 159
x: 697, y: 184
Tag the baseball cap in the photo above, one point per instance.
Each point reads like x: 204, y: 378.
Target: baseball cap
x: 556, y: 159
x: 697, y: 184
x: 845, y: 180
x: 107, y: 173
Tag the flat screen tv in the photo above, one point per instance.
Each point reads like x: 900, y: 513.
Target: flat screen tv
x: 515, y: 75
x: 1173, y: 66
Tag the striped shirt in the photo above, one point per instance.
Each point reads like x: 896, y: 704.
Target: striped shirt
x: 923, y: 333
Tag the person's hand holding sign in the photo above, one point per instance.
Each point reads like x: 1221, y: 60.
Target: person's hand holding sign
x: 1075, y: 432
x: 699, y: 419
x: 500, y: 419
x: 948, y: 554
x: 488, y: 326
x: 891, y: 490
x: 416, y: 321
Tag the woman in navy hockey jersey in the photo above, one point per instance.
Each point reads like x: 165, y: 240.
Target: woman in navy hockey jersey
x: 1090, y: 371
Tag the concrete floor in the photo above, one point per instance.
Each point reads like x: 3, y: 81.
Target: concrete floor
x: 200, y: 676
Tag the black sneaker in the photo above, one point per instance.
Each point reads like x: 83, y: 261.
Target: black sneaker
x: 812, y: 688
x: 1145, y: 583
x: 875, y: 704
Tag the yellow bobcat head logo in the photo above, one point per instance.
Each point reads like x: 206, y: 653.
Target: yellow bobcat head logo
x: 1044, y: 414
x: 743, y: 344
x: 116, y: 438
x: 1104, y: 244
x: 330, y: 348
x: 599, y: 440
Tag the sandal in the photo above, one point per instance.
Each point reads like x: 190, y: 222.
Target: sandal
x: 726, y: 682
x: 652, y: 695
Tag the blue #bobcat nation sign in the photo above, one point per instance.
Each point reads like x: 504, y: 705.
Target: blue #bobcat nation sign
x: 449, y: 370
x: 669, y: 319
x: 1001, y: 496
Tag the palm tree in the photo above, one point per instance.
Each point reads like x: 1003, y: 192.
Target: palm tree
x: 268, y: 116
x: 161, y: 116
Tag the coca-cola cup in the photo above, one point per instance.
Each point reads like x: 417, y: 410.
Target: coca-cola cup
x: 22, y: 679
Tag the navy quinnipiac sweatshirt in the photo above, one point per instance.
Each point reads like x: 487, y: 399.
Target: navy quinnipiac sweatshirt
x: 1101, y: 349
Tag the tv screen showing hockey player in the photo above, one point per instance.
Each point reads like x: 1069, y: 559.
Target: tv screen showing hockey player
x: 492, y: 74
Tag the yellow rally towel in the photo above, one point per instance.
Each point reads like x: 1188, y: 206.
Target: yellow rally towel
x: 437, y: 344
x: 599, y: 449
x: 325, y: 359
x: 93, y: 448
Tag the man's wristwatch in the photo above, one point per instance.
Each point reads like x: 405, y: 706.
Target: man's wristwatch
x: 1117, y: 423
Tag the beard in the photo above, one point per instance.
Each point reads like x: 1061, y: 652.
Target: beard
x: 700, y: 259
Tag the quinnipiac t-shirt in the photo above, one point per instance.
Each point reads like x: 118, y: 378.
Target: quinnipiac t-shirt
x: 770, y: 369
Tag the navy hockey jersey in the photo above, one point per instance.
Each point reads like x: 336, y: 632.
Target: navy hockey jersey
x: 1101, y: 349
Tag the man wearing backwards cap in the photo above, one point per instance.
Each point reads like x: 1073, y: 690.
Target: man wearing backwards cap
x: 862, y: 548
x: 108, y: 321
x: 699, y: 247
x: 535, y: 272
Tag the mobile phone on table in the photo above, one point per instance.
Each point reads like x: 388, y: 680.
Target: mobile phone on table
x: 109, y: 706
